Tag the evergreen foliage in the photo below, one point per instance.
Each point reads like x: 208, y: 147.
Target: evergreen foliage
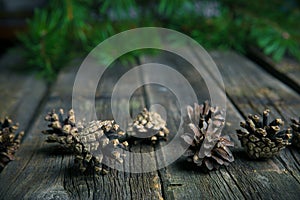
x: 67, y: 28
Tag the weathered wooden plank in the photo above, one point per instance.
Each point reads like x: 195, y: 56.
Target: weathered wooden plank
x: 130, y: 185
x: 253, y: 90
x: 182, y: 180
x: 196, y: 81
x: 20, y: 93
x: 286, y: 70
x: 126, y: 185
x: 46, y: 171
x: 39, y: 172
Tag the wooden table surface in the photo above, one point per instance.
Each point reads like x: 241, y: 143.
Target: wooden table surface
x: 44, y: 171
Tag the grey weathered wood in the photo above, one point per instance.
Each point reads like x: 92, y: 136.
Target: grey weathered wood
x: 195, y: 79
x: 286, y: 70
x: 46, y: 171
x: 21, y: 93
x: 252, y: 90
x: 182, y: 180
x: 140, y: 185
x: 126, y: 185
x: 39, y: 171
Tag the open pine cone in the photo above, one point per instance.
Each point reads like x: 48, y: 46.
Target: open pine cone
x: 99, y: 141
x: 9, y: 141
x: 148, y: 126
x: 63, y: 129
x: 202, y: 121
x: 262, y: 139
x: 296, y: 132
x: 91, y: 143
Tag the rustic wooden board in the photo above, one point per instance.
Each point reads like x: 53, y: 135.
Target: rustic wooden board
x: 287, y: 70
x: 182, y: 180
x: 21, y: 94
x: 251, y: 89
x: 124, y: 185
x: 45, y: 171
x: 39, y: 171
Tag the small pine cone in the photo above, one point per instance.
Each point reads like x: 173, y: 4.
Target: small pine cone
x: 206, y: 121
x: 296, y: 132
x: 262, y: 139
x: 149, y: 126
x: 91, y: 143
x: 62, y: 128
x: 9, y: 141
x: 99, y: 141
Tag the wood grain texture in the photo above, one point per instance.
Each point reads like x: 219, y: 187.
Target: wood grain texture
x: 21, y: 93
x: 47, y: 171
x: 286, y: 70
x: 251, y: 89
x: 182, y: 180
x: 21, y: 96
x: 39, y: 172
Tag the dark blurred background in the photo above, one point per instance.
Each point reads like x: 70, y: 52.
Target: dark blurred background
x: 45, y: 30
x: 13, y: 19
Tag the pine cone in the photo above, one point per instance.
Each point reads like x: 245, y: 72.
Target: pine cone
x: 203, y: 121
x: 63, y: 129
x: 262, y: 139
x: 9, y: 141
x: 149, y: 126
x: 91, y: 143
x: 296, y: 132
x: 98, y: 141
